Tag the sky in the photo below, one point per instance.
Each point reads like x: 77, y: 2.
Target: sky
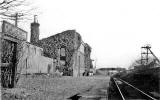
x: 115, y: 29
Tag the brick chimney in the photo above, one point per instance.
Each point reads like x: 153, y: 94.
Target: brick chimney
x: 34, y: 31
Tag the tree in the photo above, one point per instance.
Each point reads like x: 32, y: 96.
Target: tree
x: 6, y: 6
x: 15, y: 10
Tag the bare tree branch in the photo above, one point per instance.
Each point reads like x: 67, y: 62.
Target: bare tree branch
x: 7, y: 5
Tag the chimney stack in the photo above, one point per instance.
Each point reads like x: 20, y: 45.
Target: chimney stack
x: 35, y: 31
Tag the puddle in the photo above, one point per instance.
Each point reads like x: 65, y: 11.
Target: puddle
x: 87, y: 97
x: 74, y: 97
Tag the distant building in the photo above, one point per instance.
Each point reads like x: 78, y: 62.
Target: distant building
x: 109, y: 71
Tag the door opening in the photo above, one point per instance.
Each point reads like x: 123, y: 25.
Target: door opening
x: 8, y: 66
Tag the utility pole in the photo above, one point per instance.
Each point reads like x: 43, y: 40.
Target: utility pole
x: 15, y: 17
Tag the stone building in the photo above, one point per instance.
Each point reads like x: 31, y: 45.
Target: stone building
x: 68, y: 50
x: 19, y: 56
x: 61, y: 47
x: 64, y: 51
x: 11, y: 43
x: 70, y: 53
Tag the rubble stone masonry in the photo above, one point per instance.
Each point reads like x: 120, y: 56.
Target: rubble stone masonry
x: 55, y: 45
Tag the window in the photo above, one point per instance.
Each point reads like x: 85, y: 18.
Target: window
x: 62, y: 52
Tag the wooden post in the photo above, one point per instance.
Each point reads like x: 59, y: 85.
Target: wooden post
x: 16, y: 20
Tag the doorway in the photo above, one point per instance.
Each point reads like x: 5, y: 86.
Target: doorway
x: 8, y: 66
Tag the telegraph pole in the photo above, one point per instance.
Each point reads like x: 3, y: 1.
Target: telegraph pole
x: 15, y: 17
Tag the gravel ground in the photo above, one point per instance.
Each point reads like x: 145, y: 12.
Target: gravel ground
x: 47, y: 88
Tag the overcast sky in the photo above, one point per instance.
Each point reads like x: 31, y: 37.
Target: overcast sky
x: 115, y: 29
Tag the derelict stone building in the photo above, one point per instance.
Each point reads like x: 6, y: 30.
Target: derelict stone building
x: 61, y: 48
x: 19, y: 56
x: 10, y: 43
x: 65, y: 52
x: 69, y: 53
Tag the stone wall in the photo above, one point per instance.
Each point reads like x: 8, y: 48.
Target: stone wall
x: 69, y: 40
x: 88, y: 61
x: 79, y: 61
x: 12, y: 39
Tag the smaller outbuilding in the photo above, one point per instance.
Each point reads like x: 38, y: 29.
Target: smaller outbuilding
x: 33, y: 61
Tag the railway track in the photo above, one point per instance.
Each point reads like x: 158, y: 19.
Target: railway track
x: 126, y: 91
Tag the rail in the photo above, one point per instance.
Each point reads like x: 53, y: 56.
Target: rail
x: 119, y: 90
x: 122, y: 96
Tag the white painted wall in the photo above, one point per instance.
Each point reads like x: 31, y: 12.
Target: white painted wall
x: 32, y: 60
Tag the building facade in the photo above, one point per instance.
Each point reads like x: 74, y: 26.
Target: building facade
x: 65, y: 52
x: 62, y: 47
x: 67, y: 49
x: 12, y: 38
x: 19, y: 56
